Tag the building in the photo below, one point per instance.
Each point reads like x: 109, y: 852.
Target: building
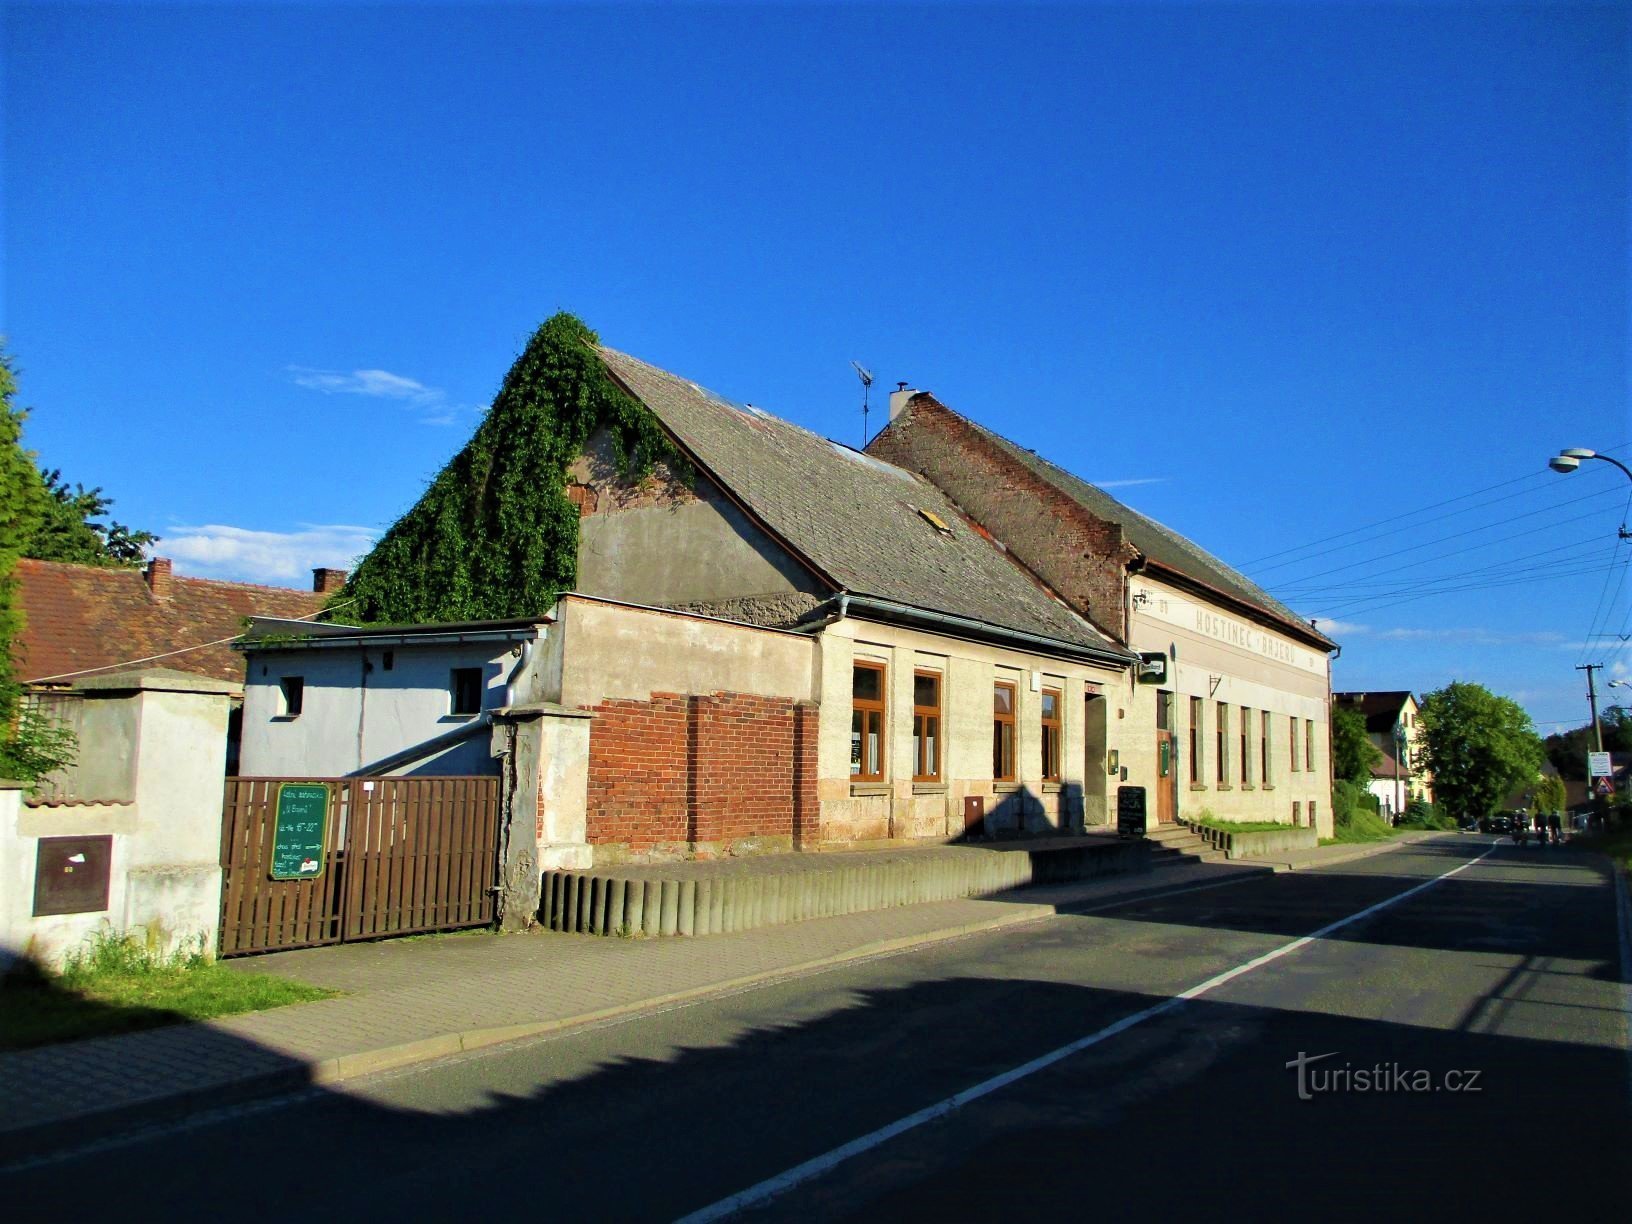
x: 796, y: 644
x: 1236, y: 723
x: 1398, y: 777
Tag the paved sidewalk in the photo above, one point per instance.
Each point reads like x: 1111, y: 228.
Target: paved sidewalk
x: 410, y: 1000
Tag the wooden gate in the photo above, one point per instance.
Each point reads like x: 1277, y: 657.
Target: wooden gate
x: 402, y: 855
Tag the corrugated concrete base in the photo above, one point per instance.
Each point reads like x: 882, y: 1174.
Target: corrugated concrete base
x: 698, y: 898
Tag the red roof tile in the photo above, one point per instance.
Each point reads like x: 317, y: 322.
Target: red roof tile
x: 86, y: 617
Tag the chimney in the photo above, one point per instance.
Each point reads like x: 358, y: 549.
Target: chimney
x: 159, y: 581
x: 899, y: 398
x: 325, y: 580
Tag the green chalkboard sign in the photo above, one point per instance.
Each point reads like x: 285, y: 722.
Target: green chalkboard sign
x: 300, y: 827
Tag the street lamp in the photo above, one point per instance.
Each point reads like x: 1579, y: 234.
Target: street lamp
x: 1568, y: 459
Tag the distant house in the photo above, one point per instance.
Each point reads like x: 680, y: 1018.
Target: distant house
x: 1392, y: 727
x: 81, y: 621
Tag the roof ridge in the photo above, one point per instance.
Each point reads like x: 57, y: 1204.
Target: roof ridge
x: 137, y: 572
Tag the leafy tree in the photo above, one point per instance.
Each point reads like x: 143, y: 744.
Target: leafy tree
x: 29, y: 745
x: 1548, y: 793
x: 1567, y: 750
x: 1478, y: 746
x: 70, y: 528
x: 1353, y: 753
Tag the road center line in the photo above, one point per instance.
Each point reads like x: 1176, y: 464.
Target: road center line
x: 818, y: 1165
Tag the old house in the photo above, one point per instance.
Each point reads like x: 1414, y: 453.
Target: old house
x: 1235, y: 723
x: 1398, y: 776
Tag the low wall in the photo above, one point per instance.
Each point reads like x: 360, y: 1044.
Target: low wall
x: 127, y: 841
x: 1255, y: 843
x: 706, y: 899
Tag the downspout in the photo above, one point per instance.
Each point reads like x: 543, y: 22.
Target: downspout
x: 521, y: 666
x: 362, y: 710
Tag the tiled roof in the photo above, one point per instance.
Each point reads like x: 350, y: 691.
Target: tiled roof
x: 857, y: 519
x: 1160, y: 544
x: 79, y: 617
x: 1381, y: 710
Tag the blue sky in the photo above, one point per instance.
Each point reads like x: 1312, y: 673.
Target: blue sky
x: 1289, y: 270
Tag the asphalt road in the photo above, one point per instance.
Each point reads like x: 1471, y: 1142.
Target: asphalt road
x: 1502, y: 982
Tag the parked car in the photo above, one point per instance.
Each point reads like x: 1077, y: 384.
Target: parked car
x: 1499, y: 822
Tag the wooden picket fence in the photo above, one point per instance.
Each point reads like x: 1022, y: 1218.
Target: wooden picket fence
x: 403, y: 855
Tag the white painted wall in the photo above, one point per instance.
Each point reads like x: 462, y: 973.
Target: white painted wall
x: 356, y: 713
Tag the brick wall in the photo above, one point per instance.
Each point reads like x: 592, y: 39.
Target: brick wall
x: 1080, y: 555
x: 716, y: 769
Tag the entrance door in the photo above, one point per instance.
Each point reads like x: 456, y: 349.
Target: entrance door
x: 1167, y: 760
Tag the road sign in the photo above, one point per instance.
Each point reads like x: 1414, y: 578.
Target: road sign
x: 299, y: 830
x: 1602, y: 786
x: 1598, y: 765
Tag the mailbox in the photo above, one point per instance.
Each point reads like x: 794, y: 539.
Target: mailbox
x: 71, y: 875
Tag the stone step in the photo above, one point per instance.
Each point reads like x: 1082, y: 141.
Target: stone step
x: 698, y: 898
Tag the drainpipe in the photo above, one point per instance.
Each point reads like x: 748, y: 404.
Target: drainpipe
x: 521, y: 666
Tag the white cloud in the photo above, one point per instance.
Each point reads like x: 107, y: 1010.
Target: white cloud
x: 1129, y: 483
x: 281, y: 557
x: 383, y: 384
x: 1338, y: 628
x: 1472, y: 637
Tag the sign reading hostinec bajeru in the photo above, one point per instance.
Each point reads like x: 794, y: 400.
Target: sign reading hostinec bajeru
x: 300, y: 826
x: 1172, y: 609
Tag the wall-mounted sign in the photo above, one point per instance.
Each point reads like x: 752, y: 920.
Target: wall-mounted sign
x: 300, y: 828
x: 1152, y: 667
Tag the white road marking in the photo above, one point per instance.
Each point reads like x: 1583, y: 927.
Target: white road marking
x: 815, y: 1167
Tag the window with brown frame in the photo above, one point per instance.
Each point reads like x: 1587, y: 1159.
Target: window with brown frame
x: 926, y: 726
x: 1223, y: 738
x: 1003, y: 701
x: 1195, y: 740
x: 1263, y: 751
x: 867, y: 723
x: 1051, y: 735
x: 1292, y: 743
x: 1309, y: 745
x: 1246, y: 746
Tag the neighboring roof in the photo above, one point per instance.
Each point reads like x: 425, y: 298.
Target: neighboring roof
x: 857, y: 519
x: 1381, y: 710
x: 271, y: 633
x: 1159, y: 544
x: 86, y: 617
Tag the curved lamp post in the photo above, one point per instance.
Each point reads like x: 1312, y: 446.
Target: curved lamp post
x: 1569, y: 459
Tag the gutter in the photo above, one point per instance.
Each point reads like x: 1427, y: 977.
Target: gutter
x: 967, y: 627
x: 351, y: 641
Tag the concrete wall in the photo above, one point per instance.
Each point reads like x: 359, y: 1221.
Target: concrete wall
x: 1220, y: 657
x: 165, y: 881
x: 357, y: 713
x: 900, y: 809
x: 662, y: 543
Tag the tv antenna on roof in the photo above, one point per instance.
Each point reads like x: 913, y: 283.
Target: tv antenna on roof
x: 866, y: 376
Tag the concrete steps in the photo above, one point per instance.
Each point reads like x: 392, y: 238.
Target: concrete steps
x: 705, y: 898
x: 1172, y: 845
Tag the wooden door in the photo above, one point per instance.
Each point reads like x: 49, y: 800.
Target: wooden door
x: 1167, y: 760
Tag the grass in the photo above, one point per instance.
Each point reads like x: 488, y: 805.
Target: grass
x: 1208, y: 820
x: 1615, y: 842
x: 1362, y: 826
x: 118, y: 986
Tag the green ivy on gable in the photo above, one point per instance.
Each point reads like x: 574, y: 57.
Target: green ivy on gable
x: 495, y: 535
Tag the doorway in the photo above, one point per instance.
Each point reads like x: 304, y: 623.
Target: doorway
x: 1167, y: 760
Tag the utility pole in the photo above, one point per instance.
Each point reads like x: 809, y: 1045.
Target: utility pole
x: 1592, y: 702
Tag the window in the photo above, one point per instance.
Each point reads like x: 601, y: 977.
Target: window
x: 465, y: 686
x: 1246, y: 746
x: 1222, y: 738
x: 1297, y: 812
x: 388, y: 660
x: 926, y: 727
x: 1264, y: 775
x: 867, y: 722
x: 1313, y: 820
x: 291, y: 696
x: 1051, y: 735
x: 1309, y: 744
x: 1195, y: 740
x: 1003, y: 731
x: 1292, y: 743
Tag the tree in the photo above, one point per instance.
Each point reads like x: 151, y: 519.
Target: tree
x: 1567, y: 750
x: 1548, y: 795
x: 29, y: 746
x: 1478, y: 746
x: 1353, y: 753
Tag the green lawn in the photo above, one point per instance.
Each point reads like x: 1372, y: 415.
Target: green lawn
x: 1240, y: 826
x: 118, y: 987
